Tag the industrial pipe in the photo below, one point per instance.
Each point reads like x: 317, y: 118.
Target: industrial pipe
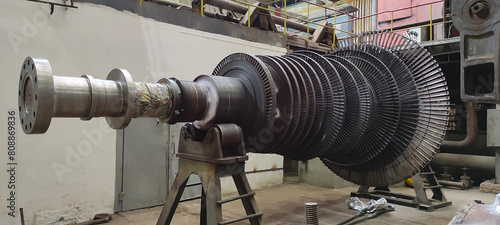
x: 459, y: 184
x: 211, y: 14
x: 241, y: 9
x: 238, y: 8
x: 474, y: 162
x: 374, y: 11
x: 471, y: 129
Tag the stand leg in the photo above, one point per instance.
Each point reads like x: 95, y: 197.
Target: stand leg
x: 249, y: 202
x: 167, y: 213
x: 418, y: 186
x: 211, y: 187
x: 203, y: 210
x: 363, y: 190
x: 382, y: 188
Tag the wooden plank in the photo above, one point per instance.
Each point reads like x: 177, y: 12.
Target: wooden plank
x: 300, y: 42
x: 265, y: 18
x: 320, y: 32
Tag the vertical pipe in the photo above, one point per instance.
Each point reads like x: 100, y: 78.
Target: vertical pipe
x: 443, y: 13
x: 248, y: 22
x: 497, y: 165
x: 369, y: 13
x: 360, y: 26
x: 357, y: 15
x: 349, y: 17
x: 202, y: 8
x: 375, y: 10
x: 284, y: 21
x: 392, y: 19
x: 430, y: 28
x: 307, y: 40
x: 354, y: 23
x: 471, y: 130
x: 360, y: 15
x: 334, y: 29
x: 358, y: 3
x: 370, y: 9
x: 364, y: 14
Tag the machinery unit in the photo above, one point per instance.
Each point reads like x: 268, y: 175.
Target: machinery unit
x: 375, y: 110
x: 477, y: 22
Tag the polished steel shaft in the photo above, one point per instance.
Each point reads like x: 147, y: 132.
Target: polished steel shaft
x: 205, y: 101
x: 43, y: 96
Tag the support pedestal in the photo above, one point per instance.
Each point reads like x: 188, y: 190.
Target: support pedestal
x: 212, y: 154
x: 420, y: 200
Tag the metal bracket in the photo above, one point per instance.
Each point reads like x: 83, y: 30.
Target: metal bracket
x: 220, y: 144
x: 121, y: 196
x: 52, y: 4
x: 72, y: 5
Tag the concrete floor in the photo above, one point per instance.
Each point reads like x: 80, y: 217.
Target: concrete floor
x: 284, y: 204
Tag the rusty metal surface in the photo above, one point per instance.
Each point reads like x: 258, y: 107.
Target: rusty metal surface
x: 221, y: 144
x: 477, y: 22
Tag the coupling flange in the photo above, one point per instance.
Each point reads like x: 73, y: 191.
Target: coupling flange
x: 36, y: 95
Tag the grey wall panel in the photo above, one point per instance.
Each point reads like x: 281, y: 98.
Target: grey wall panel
x: 145, y: 164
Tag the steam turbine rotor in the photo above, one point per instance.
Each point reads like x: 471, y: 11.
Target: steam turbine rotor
x: 375, y: 110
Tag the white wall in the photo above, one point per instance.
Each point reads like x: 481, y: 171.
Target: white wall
x: 92, y: 39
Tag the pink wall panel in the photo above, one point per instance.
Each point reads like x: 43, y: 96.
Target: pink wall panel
x: 391, y: 5
x: 417, y: 14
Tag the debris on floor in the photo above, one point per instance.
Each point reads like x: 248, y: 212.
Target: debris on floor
x: 478, y: 213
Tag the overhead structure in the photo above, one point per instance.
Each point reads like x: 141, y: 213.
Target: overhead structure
x: 375, y: 110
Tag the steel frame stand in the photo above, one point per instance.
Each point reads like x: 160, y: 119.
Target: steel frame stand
x: 212, y: 154
x: 420, y: 200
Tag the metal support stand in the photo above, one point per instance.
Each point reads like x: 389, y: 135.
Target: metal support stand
x: 420, y: 201
x: 497, y: 165
x: 212, y: 154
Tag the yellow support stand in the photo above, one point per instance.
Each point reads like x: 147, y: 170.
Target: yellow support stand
x: 284, y: 21
x: 248, y: 13
x: 334, y: 28
x: 430, y: 28
x: 392, y: 19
